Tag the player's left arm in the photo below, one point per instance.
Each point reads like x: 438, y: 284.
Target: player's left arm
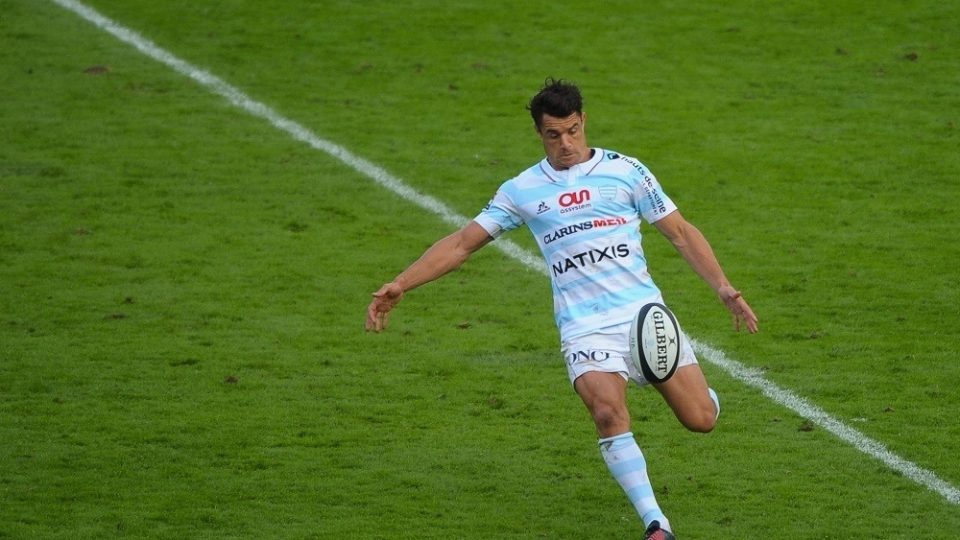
x: 695, y: 249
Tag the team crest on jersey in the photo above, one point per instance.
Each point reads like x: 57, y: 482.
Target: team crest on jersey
x: 608, y: 193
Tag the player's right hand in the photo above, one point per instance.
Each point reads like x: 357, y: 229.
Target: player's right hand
x: 383, y: 301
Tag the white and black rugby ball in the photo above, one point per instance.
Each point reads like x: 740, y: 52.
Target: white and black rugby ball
x: 655, y: 342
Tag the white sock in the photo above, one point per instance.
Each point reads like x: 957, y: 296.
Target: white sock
x: 626, y: 463
x: 716, y: 400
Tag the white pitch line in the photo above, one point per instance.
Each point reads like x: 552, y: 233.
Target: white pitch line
x: 753, y: 377
x: 749, y: 376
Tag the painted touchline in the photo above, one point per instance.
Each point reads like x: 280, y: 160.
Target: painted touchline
x: 749, y: 376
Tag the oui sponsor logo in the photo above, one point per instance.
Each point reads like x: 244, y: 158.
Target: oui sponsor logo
x: 574, y: 200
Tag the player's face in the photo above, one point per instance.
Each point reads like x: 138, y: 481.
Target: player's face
x: 564, y: 140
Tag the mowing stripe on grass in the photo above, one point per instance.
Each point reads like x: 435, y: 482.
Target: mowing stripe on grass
x: 749, y: 376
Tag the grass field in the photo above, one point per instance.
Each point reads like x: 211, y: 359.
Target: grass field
x: 182, y: 285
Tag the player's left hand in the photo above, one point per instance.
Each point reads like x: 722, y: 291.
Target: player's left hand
x: 383, y: 301
x: 739, y: 308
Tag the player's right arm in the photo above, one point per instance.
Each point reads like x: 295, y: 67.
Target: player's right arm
x: 445, y: 255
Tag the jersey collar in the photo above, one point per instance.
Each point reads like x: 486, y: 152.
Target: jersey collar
x: 570, y: 176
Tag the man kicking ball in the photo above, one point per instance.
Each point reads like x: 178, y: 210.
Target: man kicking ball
x: 584, y: 206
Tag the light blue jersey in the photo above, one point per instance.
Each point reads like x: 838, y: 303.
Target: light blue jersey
x: 586, y: 220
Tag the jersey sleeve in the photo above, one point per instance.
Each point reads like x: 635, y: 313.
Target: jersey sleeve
x: 500, y: 215
x: 651, y: 202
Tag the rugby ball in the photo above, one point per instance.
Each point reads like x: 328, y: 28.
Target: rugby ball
x: 655, y: 342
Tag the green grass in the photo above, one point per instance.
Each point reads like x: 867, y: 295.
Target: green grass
x: 182, y: 286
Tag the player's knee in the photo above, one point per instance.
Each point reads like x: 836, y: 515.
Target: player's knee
x: 610, y: 419
x: 701, y: 421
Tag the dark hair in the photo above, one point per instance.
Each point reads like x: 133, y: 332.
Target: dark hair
x: 557, y: 98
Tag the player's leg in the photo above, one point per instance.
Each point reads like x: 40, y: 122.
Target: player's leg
x: 692, y: 401
x: 605, y: 395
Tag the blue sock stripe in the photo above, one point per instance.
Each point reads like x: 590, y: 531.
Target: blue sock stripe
x: 631, y: 465
x: 640, y: 492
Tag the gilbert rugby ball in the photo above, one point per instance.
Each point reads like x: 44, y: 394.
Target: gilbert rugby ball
x: 655, y: 342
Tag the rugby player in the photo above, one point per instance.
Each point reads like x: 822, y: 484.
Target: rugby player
x: 584, y: 206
